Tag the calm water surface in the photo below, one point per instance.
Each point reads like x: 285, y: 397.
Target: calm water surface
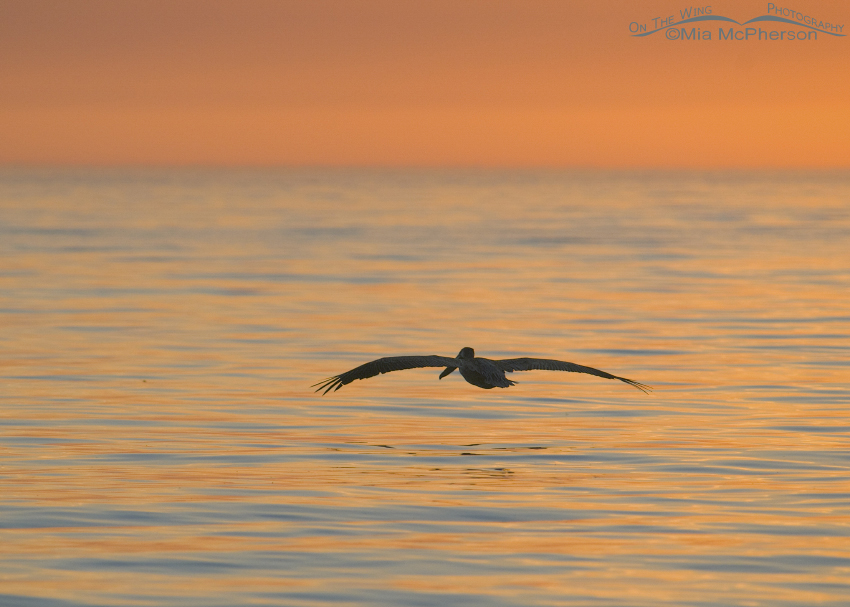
x: 160, y: 444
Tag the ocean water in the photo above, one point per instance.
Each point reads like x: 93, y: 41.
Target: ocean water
x: 160, y: 444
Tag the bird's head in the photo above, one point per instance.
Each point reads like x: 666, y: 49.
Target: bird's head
x: 466, y: 353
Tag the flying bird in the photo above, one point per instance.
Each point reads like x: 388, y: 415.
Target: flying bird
x: 478, y: 371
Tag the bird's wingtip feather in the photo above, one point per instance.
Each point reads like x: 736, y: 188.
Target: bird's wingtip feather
x: 642, y: 387
x: 327, y: 384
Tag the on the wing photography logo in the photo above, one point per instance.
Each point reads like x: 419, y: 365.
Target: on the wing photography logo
x: 780, y: 23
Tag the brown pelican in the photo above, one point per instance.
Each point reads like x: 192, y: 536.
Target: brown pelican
x: 481, y: 372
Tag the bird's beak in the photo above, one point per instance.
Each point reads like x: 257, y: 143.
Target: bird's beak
x: 446, y: 371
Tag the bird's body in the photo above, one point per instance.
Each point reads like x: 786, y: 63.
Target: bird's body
x: 482, y: 372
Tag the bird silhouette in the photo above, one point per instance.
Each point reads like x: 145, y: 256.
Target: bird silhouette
x: 482, y: 372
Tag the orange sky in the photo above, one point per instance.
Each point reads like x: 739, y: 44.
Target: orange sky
x: 523, y: 83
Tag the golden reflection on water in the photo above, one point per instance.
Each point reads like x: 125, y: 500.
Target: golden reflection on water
x: 160, y: 443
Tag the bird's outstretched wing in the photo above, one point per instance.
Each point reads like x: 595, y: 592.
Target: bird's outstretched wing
x: 545, y: 364
x: 383, y: 365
